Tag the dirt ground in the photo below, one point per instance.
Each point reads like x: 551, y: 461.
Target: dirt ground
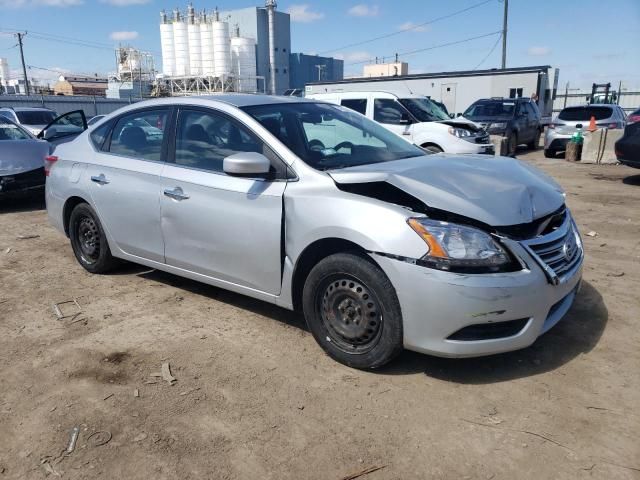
x: 256, y: 398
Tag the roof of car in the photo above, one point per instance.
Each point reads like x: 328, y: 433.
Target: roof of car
x: 236, y: 99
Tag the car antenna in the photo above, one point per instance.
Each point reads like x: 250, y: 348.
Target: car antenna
x: 407, y: 85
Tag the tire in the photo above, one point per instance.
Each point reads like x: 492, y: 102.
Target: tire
x: 533, y: 145
x: 88, y: 240
x: 550, y: 153
x: 352, y: 310
x: 432, y: 148
x: 512, y: 145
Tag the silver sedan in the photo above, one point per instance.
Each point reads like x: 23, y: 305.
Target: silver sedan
x: 313, y: 207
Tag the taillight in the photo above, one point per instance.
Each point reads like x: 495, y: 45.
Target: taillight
x: 613, y: 125
x: 551, y: 126
x: 633, y: 118
x: 48, y: 163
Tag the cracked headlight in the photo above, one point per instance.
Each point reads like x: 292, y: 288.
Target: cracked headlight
x: 460, y: 132
x: 459, y: 248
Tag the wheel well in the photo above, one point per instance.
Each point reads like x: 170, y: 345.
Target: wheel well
x: 310, y: 257
x: 69, y: 205
x: 431, y: 144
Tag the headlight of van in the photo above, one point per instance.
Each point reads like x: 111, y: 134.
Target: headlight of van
x: 459, y: 248
x: 460, y: 132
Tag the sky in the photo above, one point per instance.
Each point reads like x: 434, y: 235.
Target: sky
x: 589, y: 40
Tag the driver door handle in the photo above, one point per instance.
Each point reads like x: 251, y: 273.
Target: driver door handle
x: 176, y: 193
x: 100, y: 179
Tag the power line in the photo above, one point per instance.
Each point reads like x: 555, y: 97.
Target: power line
x: 414, y: 27
x: 490, y: 52
x: 457, y: 42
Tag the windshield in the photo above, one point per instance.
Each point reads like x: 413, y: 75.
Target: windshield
x: 9, y: 131
x: 424, y: 109
x: 491, y: 109
x: 585, y: 113
x: 329, y: 136
x: 36, y: 117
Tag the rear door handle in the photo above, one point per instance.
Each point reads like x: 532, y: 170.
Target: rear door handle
x: 101, y: 179
x: 176, y: 193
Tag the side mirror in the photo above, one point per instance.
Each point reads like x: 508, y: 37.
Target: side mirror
x: 246, y: 164
x: 49, y: 133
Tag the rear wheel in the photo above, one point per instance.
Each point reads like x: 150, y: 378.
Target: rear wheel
x: 352, y: 310
x: 533, y: 145
x: 88, y: 240
x: 550, y: 153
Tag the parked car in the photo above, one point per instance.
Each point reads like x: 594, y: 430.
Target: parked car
x: 314, y: 207
x: 21, y: 159
x: 634, y: 117
x: 571, y: 119
x: 518, y: 119
x: 30, y: 118
x: 628, y: 147
x: 22, y: 155
x: 417, y: 119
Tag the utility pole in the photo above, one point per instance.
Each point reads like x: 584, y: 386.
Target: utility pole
x: 24, y: 68
x: 504, y: 34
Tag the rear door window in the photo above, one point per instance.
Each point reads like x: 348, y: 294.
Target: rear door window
x: 585, y: 113
x: 356, y: 104
x: 99, y: 135
x: 140, y: 134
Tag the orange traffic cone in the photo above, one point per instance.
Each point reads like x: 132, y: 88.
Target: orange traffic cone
x: 592, y: 124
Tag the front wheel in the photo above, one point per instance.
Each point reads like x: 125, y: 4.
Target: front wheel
x: 352, y: 310
x: 550, y: 153
x: 88, y: 240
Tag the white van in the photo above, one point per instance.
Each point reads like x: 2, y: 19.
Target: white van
x: 415, y: 118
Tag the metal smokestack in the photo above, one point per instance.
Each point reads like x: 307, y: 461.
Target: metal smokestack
x: 271, y: 14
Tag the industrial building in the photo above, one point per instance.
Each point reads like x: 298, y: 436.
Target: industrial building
x: 458, y: 90
x: 305, y: 69
x: 80, y: 86
x: 244, y: 50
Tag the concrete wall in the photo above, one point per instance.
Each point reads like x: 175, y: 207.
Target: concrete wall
x: 90, y: 105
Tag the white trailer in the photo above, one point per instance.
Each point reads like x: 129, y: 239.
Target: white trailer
x: 458, y: 90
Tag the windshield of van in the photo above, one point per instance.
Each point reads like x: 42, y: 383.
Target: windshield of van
x: 35, y: 117
x: 424, y: 109
x: 491, y: 109
x: 329, y: 136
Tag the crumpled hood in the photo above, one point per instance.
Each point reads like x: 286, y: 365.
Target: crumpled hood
x: 18, y: 156
x: 498, y: 191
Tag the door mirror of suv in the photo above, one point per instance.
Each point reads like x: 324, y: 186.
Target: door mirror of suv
x: 246, y: 164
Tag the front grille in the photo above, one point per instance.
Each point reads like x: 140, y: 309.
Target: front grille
x: 559, y: 251
x: 483, y: 139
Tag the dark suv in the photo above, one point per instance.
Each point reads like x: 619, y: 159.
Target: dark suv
x: 518, y: 119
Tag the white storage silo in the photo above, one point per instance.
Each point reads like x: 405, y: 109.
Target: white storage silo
x: 221, y: 48
x: 181, y: 45
x: 166, y: 43
x: 206, y: 46
x: 4, y: 72
x: 243, y: 60
x: 193, y: 30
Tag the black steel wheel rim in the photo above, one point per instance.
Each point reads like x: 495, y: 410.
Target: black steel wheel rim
x: 88, y: 237
x: 351, y: 314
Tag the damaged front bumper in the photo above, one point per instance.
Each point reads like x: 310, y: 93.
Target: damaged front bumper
x: 462, y: 315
